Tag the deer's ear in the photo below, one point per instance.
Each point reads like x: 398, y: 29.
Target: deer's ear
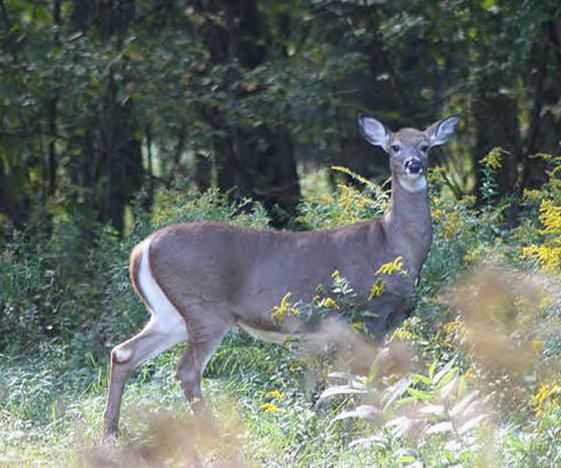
x: 373, y: 131
x: 439, y: 132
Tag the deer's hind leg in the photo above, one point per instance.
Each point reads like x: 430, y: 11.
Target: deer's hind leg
x: 165, y: 329
x: 150, y: 342
x: 204, y: 338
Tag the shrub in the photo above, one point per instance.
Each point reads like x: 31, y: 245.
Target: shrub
x: 72, y: 288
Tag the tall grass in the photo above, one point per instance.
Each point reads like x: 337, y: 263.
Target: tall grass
x: 471, y: 379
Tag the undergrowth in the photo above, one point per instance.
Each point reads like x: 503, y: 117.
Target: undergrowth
x: 471, y: 379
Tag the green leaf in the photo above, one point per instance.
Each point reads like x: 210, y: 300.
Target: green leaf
x: 445, y: 372
x: 446, y: 389
x: 472, y: 423
x: 440, y: 428
x: 393, y: 392
x: 421, y: 378
x: 337, y: 390
x: 405, y: 401
x: 420, y: 394
x: 463, y: 404
x: 437, y: 410
x: 362, y: 412
x: 432, y: 368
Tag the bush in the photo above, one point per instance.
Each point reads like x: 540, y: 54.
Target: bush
x: 72, y: 288
x: 487, y: 327
x: 472, y: 378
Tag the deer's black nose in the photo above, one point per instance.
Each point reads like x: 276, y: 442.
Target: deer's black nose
x: 414, y: 166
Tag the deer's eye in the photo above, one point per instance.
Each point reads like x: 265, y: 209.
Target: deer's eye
x: 395, y: 148
x: 424, y: 148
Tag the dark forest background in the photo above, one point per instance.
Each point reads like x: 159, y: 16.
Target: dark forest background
x: 118, y: 117
x: 105, y: 101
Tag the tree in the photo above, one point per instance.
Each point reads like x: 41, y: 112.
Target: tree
x: 106, y: 99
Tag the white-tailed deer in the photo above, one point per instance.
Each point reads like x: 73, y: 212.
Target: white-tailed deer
x: 200, y: 279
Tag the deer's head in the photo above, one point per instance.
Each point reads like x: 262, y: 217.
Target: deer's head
x: 408, y: 148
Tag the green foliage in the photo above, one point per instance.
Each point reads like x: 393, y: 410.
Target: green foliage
x: 181, y: 205
x: 57, y: 291
x: 470, y: 379
x: 420, y: 411
x: 98, y: 102
x: 487, y: 336
x: 347, y: 204
x: 100, y: 105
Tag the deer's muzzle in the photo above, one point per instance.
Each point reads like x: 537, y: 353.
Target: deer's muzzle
x: 413, y: 166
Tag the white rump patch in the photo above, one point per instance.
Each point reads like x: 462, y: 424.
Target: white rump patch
x: 413, y: 184
x: 166, y: 321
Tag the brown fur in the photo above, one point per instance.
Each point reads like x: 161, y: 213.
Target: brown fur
x: 216, y: 275
x: 134, y: 266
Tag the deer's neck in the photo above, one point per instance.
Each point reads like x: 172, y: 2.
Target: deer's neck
x: 408, y: 226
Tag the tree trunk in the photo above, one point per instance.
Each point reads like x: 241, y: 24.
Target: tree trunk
x: 111, y: 159
x: 496, y: 124
x: 123, y: 156
x: 544, y: 134
x: 256, y: 161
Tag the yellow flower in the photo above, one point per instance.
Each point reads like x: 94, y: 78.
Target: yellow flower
x: 269, y: 407
x: 544, y: 303
x: 275, y: 394
x: 437, y: 214
x: 279, y: 312
x: 549, y: 258
x: 532, y: 194
x: 473, y: 255
x: 402, y: 334
x: 360, y: 327
x: 453, y: 329
x: 540, y: 399
x: 389, y: 268
x: 378, y: 289
x: 493, y: 158
x: 545, y: 156
x: 352, y: 174
x: 550, y: 216
x: 437, y: 176
x: 330, y: 303
x: 453, y: 325
x: 536, y: 345
x: 451, y: 224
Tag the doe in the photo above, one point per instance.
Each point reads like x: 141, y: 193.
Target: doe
x: 200, y: 279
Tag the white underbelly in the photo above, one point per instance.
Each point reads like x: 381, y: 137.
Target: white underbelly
x: 269, y: 336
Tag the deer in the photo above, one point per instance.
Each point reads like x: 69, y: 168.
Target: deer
x: 201, y: 279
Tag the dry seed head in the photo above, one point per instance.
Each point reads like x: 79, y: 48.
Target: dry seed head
x: 498, y: 308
